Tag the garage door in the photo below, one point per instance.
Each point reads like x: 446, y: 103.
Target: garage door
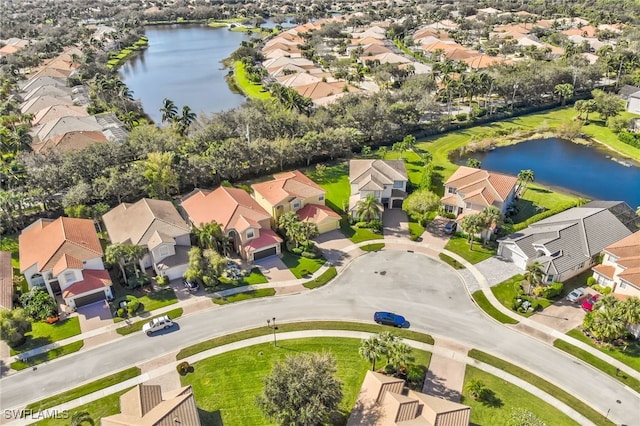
x: 396, y: 204
x: 328, y: 226
x: 91, y: 298
x: 514, y: 257
x: 264, y: 253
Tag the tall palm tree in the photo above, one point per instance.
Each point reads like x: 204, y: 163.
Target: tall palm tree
x: 210, y: 236
x: 370, y: 350
x: 472, y: 224
x: 534, y: 275
x: 169, y: 110
x: 492, y: 217
x: 81, y: 417
x: 185, y: 120
x: 525, y: 177
x: 368, y: 208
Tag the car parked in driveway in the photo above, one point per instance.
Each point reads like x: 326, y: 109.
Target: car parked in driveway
x: 588, y: 304
x: 190, y: 285
x: 157, y: 324
x: 450, y: 227
x: 389, y: 318
x: 576, y: 295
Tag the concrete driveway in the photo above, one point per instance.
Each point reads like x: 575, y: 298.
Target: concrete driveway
x: 274, y: 269
x: 562, y: 316
x: 497, y: 270
x: 434, y: 235
x: 95, y: 315
x: 395, y: 223
x: 333, y: 245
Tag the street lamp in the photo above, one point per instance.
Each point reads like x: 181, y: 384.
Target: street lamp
x: 272, y: 323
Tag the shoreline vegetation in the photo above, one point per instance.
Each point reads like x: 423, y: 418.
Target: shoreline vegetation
x: 117, y: 59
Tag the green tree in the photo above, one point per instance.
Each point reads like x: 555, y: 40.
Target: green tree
x: 211, y: 236
x: 419, y: 204
x: 522, y: 417
x: 184, y: 121
x: 524, y: 178
x: 159, y: 173
x: 81, y: 417
x: 427, y: 176
x: 476, y: 389
x: 564, y: 91
x: 492, y: 217
x: 534, y: 275
x: 115, y: 254
x: 14, y: 324
x: 630, y: 310
x: 368, y: 209
x: 472, y: 224
x: 301, y: 390
x: 607, y: 104
x: 169, y: 110
x: 605, y: 324
x: 473, y: 162
x: 38, y: 304
x: 371, y: 350
x: 214, y: 265
x: 195, y: 270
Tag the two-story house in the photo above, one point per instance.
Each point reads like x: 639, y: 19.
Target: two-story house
x: 64, y: 256
x: 386, y: 180
x: 157, y: 226
x: 245, y: 223
x: 470, y: 190
x: 293, y: 191
x: 620, y: 268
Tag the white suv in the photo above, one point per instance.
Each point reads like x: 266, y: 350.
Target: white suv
x: 156, y: 324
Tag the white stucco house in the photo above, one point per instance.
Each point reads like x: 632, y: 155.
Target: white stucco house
x: 386, y: 180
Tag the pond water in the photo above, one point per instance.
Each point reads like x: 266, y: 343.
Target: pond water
x: 590, y: 171
x: 183, y: 63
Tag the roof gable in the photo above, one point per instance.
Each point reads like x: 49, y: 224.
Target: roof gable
x: 286, y: 185
x: 361, y: 172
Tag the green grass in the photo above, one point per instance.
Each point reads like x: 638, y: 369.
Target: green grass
x: 629, y: 356
x: 253, y: 294
x: 372, y: 247
x: 43, y: 333
x: 537, y: 199
x: 451, y: 261
x: 324, y: 278
x: 599, y: 131
x: 255, y: 277
x: 335, y: 181
x: 137, y: 326
x: 158, y: 299
x: 48, y: 356
x: 486, y: 306
x: 300, y: 266
x: 598, y: 363
x: 227, y: 395
x: 298, y: 326
x: 10, y: 243
x: 543, y: 385
x: 476, y: 254
x: 358, y: 235
x: 510, y: 397
x: 507, y: 290
x: 412, y: 162
x: 103, y: 407
x: 252, y: 90
x: 415, y: 229
x: 83, y: 390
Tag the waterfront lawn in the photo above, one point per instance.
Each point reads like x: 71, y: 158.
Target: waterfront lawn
x: 227, y: 395
x: 599, y: 131
x: 629, y: 355
x: 103, y: 407
x: 537, y: 199
x: 412, y: 162
x: 459, y: 245
x: 300, y: 266
x: 252, y: 90
x: 43, y: 333
x: 507, y: 397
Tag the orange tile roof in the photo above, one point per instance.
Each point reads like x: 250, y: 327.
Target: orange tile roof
x: 231, y: 208
x: 468, y: 178
x: 71, y: 141
x: 322, y: 89
x: 626, y: 247
x: 517, y: 28
x: 45, y: 242
x: 367, y: 40
x: 316, y: 213
x: 66, y: 262
x: 6, y: 280
x: 605, y: 270
x: 287, y: 185
x: 441, y: 46
x: 461, y: 54
x: 267, y: 238
x: 8, y: 49
x: 484, y: 61
x: 93, y: 280
x: 586, y: 31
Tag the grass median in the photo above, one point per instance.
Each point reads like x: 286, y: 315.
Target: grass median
x: 324, y: 278
x: 48, y: 356
x: 491, y: 310
x: 629, y: 355
x: 239, y: 297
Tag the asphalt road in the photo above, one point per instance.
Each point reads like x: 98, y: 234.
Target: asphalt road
x: 429, y: 294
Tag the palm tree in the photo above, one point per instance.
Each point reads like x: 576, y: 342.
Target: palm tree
x: 370, y: 350
x: 368, y: 209
x: 534, y: 275
x: 115, y: 255
x: 210, y: 236
x: 169, y: 110
x: 474, y: 163
x: 475, y: 389
x: 630, y: 310
x: 525, y: 177
x: 400, y: 354
x: 492, y: 217
x: 185, y: 120
x: 80, y: 417
x: 564, y: 90
x: 472, y: 224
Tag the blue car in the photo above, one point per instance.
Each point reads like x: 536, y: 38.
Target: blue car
x: 388, y: 318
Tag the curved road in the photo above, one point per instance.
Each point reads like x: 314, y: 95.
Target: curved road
x: 428, y: 293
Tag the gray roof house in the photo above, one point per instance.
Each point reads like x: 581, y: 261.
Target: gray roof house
x: 564, y: 244
x: 384, y: 179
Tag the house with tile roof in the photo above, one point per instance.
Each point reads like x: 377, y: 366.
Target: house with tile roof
x: 157, y: 226
x: 147, y: 405
x: 6, y: 280
x: 69, y: 141
x: 470, y: 190
x: 64, y: 256
x: 55, y: 112
x: 293, y: 191
x: 384, y: 401
x: 564, y: 244
x: 386, y: 180
x: 244, y: 222
x: 620, y: 267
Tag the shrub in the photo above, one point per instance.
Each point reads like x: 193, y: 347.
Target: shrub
x: 297, y: 250
x: 415, y: 374
x: 120, y: 312
x: 591, y: 281
x: 617, y: 124
x: 309, y: 255
x: 552, y: 290
x: 606, y: 290
x: 389, y: 369
x: 629, y: 138
x: 376, y: 225
x: 183, y: 368
x: 162, y: 280
x: 462, y: 116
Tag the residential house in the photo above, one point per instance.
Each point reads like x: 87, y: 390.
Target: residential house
x: 386, y: 180
x: 69, y: 141
x: 564, y: 244
x: 157, y: 226
x: 244, y: 222
x: 633, y: 103
x: 36, y: 82
x: 6, y: 280
x: 627, y: 90
x: 55, y: 112
x: 293, y: 191
x: 145, y: 405
x: 620, y: 267
x: 64, y: 256
x: 36, y: 104
x: 383, y: 401
x: 470, y: 190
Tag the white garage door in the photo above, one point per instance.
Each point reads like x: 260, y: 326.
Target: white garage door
x: 514, y: 257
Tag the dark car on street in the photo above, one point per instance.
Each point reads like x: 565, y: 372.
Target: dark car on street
x: 388, y: 318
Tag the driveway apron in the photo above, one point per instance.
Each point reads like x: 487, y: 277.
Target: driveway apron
x: 274, y: 269
x: 93, y: 316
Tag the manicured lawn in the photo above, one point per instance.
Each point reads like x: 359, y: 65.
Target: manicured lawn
x: 10, y: 243
x: 598, y: 130
x: 80, y: 391
x: 158, y: 299
x: 227, y: 395
x: 358, y: 235
x: 508, y: 398
x: 598, y: 363
x: 255, y: 277
x: 451, y: 261
x: 537, y: 199
x: 460, y: 246
x: 415, y: 229
x: 43, y: 333
x: 252, y: 90
x: 301, y: 266
x: 629, y: 355
x: 506, y: 291
x: 137, y: 326
x: 543, y: 385
x: 103, y: 407
x: 326, y: 276
x: 486, y: 306
x: 412, y: 162
x: 372, y: 247
x: 48, y: 356
x: 335, y: 181
x: 253, y: 294
x: 298, y: 326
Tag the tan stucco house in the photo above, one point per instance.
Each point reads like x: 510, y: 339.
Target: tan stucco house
x: 384, y: 179
x: 293, y: 191
x: 620, y: 268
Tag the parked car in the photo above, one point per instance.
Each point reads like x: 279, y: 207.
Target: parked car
x: 157, y: 324
x: 588, y: 304
x: 388, y: 318
x: 576, y: 295
x: 450, y: 227
x: 190, y: 285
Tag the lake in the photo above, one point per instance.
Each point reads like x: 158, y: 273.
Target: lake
x: 585, y: 170
x: 183, y: 63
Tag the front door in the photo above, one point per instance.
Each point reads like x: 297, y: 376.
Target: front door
x: 55, y: 287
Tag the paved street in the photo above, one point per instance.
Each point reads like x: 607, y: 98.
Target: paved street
x: 429, y: 294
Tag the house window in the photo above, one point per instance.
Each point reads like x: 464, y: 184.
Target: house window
x: 449, y: 209
x: 623, y: 284
x: 397, y: 184
x: 468, y: 205
x: 451, y: 190
x: 250, y: 234
x: 69, y: 277
x: 376, y: 194
x: 164, y: 251
x: 321, y: 197
x: 296, y: 205
x: 550, y: 278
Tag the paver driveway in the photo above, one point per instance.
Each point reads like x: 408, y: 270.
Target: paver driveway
x: 93, y: 316
x: 274, y: 269
x: 396, y: 223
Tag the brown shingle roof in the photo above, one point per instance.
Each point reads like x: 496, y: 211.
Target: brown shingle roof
x: 6, y: 280
x: 287, y: 185
x: 46, y: 242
